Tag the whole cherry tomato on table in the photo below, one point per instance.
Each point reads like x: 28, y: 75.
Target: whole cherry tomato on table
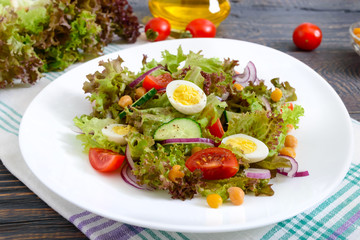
x: 157, y: 29
x: 215, y: 163
x: 201, y: 28
x: 307, y: 36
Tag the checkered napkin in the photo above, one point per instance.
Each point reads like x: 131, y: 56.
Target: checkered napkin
x: 336, y: 217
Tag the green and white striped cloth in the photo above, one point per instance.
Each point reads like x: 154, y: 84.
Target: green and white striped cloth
x: 337, y: 217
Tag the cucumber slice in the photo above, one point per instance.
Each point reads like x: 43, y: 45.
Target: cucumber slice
x: 178, y: 128
x: 141, y: 101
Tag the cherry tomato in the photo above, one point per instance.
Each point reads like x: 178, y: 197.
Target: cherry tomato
x: 157, y: 82
x: 217, y: 129
x: 105, y: 160
x: 201, y: 28
x: 157, y: 29
x: 215, y: 163
x: 307, y: 36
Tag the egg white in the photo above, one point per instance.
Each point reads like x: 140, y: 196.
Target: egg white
x: 186, y: 109
x: 113, y: 136
x: 259, y: 154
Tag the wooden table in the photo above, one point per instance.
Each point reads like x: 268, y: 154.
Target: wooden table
x: 268, y: 22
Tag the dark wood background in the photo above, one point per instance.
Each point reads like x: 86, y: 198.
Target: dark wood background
x: 268, y: 22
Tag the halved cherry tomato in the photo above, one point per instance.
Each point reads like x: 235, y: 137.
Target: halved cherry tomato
x: 157, y: 82
x: 215, y: 163
x: 105, y: 160
x: 217, y: 129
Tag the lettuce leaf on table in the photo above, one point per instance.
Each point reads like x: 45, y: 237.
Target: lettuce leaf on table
x: 49, y: 35
x: 18, y: 59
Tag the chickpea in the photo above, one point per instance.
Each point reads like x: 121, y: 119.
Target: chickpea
x: 276, y: 95
x: 175, y: 173
x: 214, y: 200
x: 288, y: 151
x: 236, y: 195
x: 238, y: 86
x: 139, y: 92
x: 125, y: 101
x: 291, y: 141
x: 195, y: 150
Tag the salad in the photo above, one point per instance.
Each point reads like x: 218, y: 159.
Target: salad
x: 191, y: 125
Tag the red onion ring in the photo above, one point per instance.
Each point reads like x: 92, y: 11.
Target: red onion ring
x: 207, y: 141
x: 293, y: 170
x: 249, y: 75
x: 139, y: 79
x: 128, y: 177
x: 297, y: 174
x: 257, y: 173
x: 129, y: 158
x: 266, y: 103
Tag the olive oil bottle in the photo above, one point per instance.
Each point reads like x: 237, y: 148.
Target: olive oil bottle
x: 180, y: 12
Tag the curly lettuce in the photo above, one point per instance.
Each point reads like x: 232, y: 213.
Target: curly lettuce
x: 48, y: 35
x: 92, y: 136
x: 107, y: 86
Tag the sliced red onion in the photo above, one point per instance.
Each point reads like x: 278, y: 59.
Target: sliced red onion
x: 242, y: 78
x: 219, y: 98
x: 257, y: 173
x: 161, y: 90
x: 292, y: 170
x: 188, y: 141
x: 266, y: 103
x: 139, y: 79
x: 128, y: 157
x: 249, y: 75
x: 297, y: 174
x: 302, y: 174
x: 128, y: 177
x: 225, y: 96
x: 253, y: 74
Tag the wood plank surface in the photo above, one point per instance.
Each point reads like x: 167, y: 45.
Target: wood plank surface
x: 268, y: 22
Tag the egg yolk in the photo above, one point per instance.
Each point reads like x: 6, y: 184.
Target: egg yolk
x: 246, y: 145
x: 122, y: 130
x: 186, y: 95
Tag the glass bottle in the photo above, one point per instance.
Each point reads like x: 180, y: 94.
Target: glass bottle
x: 180, y: 12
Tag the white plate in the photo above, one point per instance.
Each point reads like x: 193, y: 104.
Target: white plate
x: 54, y: 155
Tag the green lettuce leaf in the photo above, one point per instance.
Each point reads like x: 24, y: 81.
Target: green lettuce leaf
x: 213, y: 110
x: 148, y: 120
x: 172, y: 61
x: 19, y: 60
x: 92, y: 136
x: 258, y: 186
x: 262, y: 125
x: 153, y: 168
x: 208, y: 65
x: 106, y: 87
x: 288, y: 92
x: 139, y: 143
